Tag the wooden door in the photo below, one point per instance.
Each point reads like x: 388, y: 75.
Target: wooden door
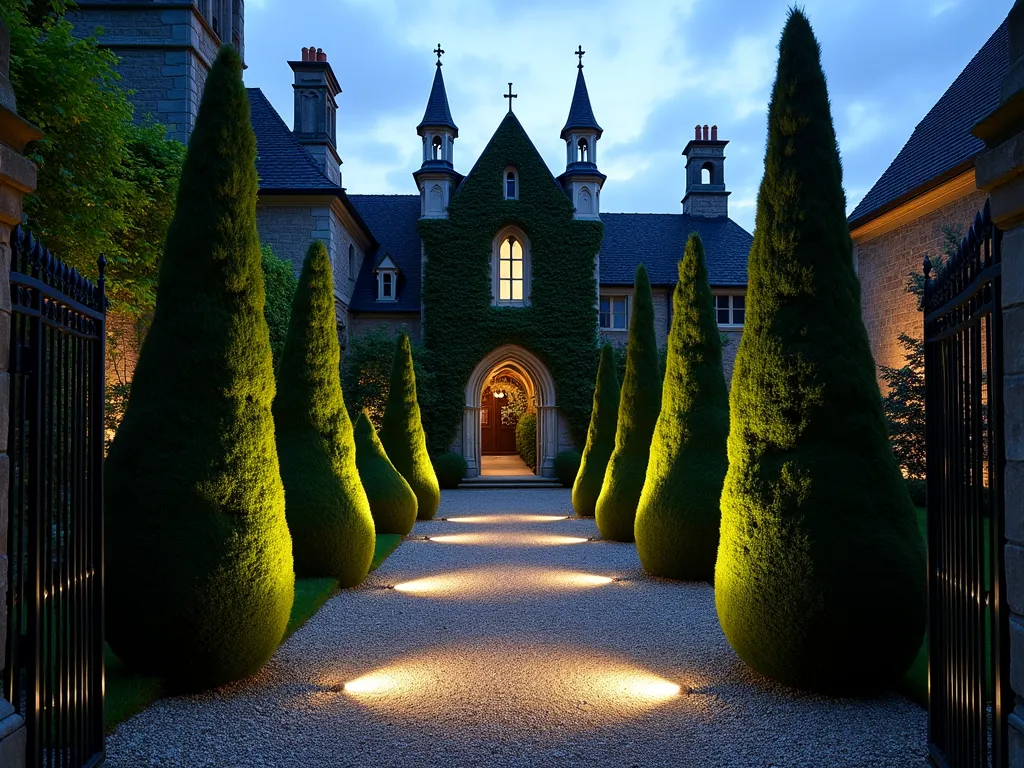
x: 495, y: 437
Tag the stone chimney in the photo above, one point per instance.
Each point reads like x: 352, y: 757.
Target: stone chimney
x: 316, y: 110
x: 706, y: 196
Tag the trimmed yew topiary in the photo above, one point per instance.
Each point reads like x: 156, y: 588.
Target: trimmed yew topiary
x: 328, y: 512
x: 639, y: 403
x: 402, y: 433
x: 199, y: 579
x: 392, y: 501
x: 604, y: 418
x: 678, y: 518
x: 451, y: 468
x: 820, y: 580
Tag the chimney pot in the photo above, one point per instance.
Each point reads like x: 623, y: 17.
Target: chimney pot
x: 305, y: 54
x: 705, y: 133
x: 714, y: 133
x: 320, y: 55
x: 696, y: 133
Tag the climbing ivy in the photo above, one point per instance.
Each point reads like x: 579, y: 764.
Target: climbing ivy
x: 460, y: 324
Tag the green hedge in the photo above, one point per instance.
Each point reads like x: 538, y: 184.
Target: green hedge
x: 526, y: 439
x: 450, y: 467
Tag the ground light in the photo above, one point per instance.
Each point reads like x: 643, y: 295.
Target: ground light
x: 510, y: 582
x: 507, y: 539
x: 503, y: 519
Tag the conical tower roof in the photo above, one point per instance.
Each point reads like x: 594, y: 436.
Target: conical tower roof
x: 438, y: 114
x: 581, y: 114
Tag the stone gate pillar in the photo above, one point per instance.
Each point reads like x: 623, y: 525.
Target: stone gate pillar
x: 1000, y: 172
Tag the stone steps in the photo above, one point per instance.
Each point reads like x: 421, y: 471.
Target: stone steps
x: 500, y: 482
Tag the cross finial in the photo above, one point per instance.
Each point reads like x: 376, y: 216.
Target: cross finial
x: 579, y: 52
x: 510, y: 96
x: 439, y: 50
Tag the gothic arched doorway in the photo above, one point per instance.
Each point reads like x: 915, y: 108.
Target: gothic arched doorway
x: 487, y: 427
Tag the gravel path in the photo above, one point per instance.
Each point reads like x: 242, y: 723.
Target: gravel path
x: 508, y: 645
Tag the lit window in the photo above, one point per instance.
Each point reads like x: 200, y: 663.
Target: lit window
x: 510, y: 271
x: 731, y: 309
x: 511, y: 193
x: 614, y: 316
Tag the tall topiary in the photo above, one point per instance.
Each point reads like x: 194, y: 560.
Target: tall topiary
x: 600, y: 437
x: 678, y: 518
x: 392, y: 501
x: 402, y: 433
x: 820, y: 580
x: 328, y: 512
x: 198, y: 556
x: 639, y: 403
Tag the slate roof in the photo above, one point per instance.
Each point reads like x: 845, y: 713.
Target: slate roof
x: 659, y: 239
x: 942, y: 145
x: 392, y: 219
x: 581, y: 114
x: 282, y: 163
x: 437, y: 112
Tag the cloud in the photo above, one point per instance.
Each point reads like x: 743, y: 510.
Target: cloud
x: 863, y: 125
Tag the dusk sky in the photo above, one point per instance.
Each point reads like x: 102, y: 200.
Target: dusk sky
x: 652, y: 76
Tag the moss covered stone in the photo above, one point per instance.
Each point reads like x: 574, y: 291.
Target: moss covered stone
x: 604, y: 417
x: 402, y: 433
x: 639, y: 403
x: 392, y: 501
x: 328, y: 512
x: 199, y: 579
x: 820, y: 580
x: 678, y: 518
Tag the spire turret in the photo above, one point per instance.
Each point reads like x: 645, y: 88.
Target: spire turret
x: 436, y: 175
x: 582, y: 181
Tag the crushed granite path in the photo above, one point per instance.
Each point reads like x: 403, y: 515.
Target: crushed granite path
x: 510, y: 637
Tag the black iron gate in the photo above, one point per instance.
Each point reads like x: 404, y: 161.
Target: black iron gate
x: 54, y: 664
x: 969, y: 696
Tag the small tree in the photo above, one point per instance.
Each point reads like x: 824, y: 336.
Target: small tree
x: 392, y: 501
x: 600, y: 437
x: 904, y: 407
x: 198, y: 556
x: 639, y: 403
x: 280, y: 285
x: 402, y: 433
x: 328, y: 512
x: 678, y: 518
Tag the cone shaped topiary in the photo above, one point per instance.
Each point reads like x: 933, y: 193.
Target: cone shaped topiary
x: 199, y: 579
x: 392, y: 501
x: 600, y: 437
x: 678, y: 518
x: 820, y: 580
x: 402, y: 434
x: 639, y: 404
x: 328, y: 512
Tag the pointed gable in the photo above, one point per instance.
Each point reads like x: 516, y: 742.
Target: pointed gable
x: 437, y: 114
x: 581, y: 114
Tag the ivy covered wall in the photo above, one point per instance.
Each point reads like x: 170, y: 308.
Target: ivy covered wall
x: 461, y: 326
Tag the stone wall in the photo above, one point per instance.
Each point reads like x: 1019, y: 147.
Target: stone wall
x: 166, y: 50
x: 883, y: 264
x: 395, y: 322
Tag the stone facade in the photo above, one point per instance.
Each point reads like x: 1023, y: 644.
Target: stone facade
x: 17, y: 177
x: 883, y: 264
x: 166, y: 48
x: 1000, y: 172
x: 395, y: 322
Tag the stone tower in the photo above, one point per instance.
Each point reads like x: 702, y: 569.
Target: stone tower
x: 316, y: 110
x: 582, y: 181
x: 706, y: 196
x: 166, y: 48
x: 436, y: 177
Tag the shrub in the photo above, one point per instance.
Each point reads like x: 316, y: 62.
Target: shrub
x: 450, y: 467
x: 916, y: 489
x: 678, y: 518
x: 328, y: 512
x: 639, y: 404
x: 903, y: 406
x: 820, y: 580
x: 198, y: 556
x: 526, y: 439
x: 600, y: 437
x: 402, y: 433
x: 279, y: 285
x: 392, y: 501
x: 567, y: 466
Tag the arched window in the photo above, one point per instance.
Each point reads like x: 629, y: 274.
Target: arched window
x: 707, y: 173
x: 584, y: 202
x: 583, y: 151
x: 511, y: 283
x: 436, y: 148
x: 351, y: 262
x: 435, y: 203
x: 511, y: 184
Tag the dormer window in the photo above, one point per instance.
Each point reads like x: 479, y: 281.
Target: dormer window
x: 511, y: 184
x: 387, y: 279
x: 583, y: 151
